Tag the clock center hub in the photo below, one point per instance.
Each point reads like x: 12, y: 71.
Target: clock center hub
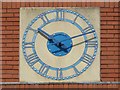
x: 63, y: 45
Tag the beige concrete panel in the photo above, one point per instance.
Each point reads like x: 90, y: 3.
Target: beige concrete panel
x: 28, y: 75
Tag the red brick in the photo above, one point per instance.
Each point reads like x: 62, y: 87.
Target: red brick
x: 9, y: 76
x: 105, y: 10
x: 10, y: 40
x: 32, y: 4
x: 11, y: 80
x: 3, y: 19
x: 7, y: 49
x: 12, y: 28
x: 58, y: 86
x: 65, y: 4
x: 109, y: 75
x: 22, y: 86
x: 92, y: 4
x: 87, y: 4
x: 13, y: 19
x: 112, y: 4
x: 7, y: 58
x: 41, y: 4
x: 69, y: 4
x: 12, y: 10
x: 117, y: 27
x: 9, y: 4
x: 45, y: 4
x: 112, y: 14
x: 108, y: 53
x: 113, y: 31
x: 102, y: 4
x: 110, y: 62
x: 107, y: 36
x: 106, y: 71
x: 3, y: 28
x: 84, y: 4
x: 4, y: 5
x: 27, y: 4
x: 98, y: 4
x: 113, y: 40
x: 15, y: 58
x: 116, y: 44
x: 107, y: 44
x: 103, y: 48
x: 113, y: 48
x: 107, y: 18
x: 107, y: 4
x: 10, y: 72
x: 73, y: 86
x: 59, y: 4
x: 117, y: 4
x: 7, y: 23
x: 107, y: 79
x: 51, y: 4
x: 16, y: 14
x: 7, y: 67
x: 7, y: 15
x: 22, y: 4
x: 10, y: 36
x: 103, y: 14
x: 4, y: 10
x: 36, y: 4
x: 12, y: 62
x: 116, y: 10
x: 108, y: 27
x: 11, y: 45
x: 104, y: 31
x: 113, y: 22
x: 103, y: 22
x: 65, y: 85
x: 51, y: 86
x: 15, y: 5
x: 116, y: 66
x: 74, y: 4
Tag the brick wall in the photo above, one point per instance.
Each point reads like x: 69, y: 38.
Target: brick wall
x: 110, y: 43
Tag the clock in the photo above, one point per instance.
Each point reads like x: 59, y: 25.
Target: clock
x: 65, y: 49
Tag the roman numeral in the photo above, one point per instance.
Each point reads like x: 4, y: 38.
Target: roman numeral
x: 75, y: 18
x: 59, y: 74
x: 75, y: 69
x: 28, y: 44
x: 44, y: 18
x: 59, y: 15
x: 44, y: 69
x: 32, y: 59
x: 88, y: 29
x: 92, y: 43
x: 30, y: 28
x: 87, y: 59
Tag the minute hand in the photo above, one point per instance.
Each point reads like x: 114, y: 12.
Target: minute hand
x: 76, y: 36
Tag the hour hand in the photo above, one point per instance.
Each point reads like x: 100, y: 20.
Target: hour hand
x: 45, y: 34
x: 50, y: 37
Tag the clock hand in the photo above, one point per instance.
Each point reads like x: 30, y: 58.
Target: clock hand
x: 75, y: 44
x: 76, y: 36
x: 50, y: 37
x: 82, y: 42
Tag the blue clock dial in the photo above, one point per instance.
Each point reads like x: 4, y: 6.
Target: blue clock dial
x: 59, y: 50
x: 60, y: 44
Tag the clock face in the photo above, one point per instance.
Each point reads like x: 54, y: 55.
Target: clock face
x: 65, y: 49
